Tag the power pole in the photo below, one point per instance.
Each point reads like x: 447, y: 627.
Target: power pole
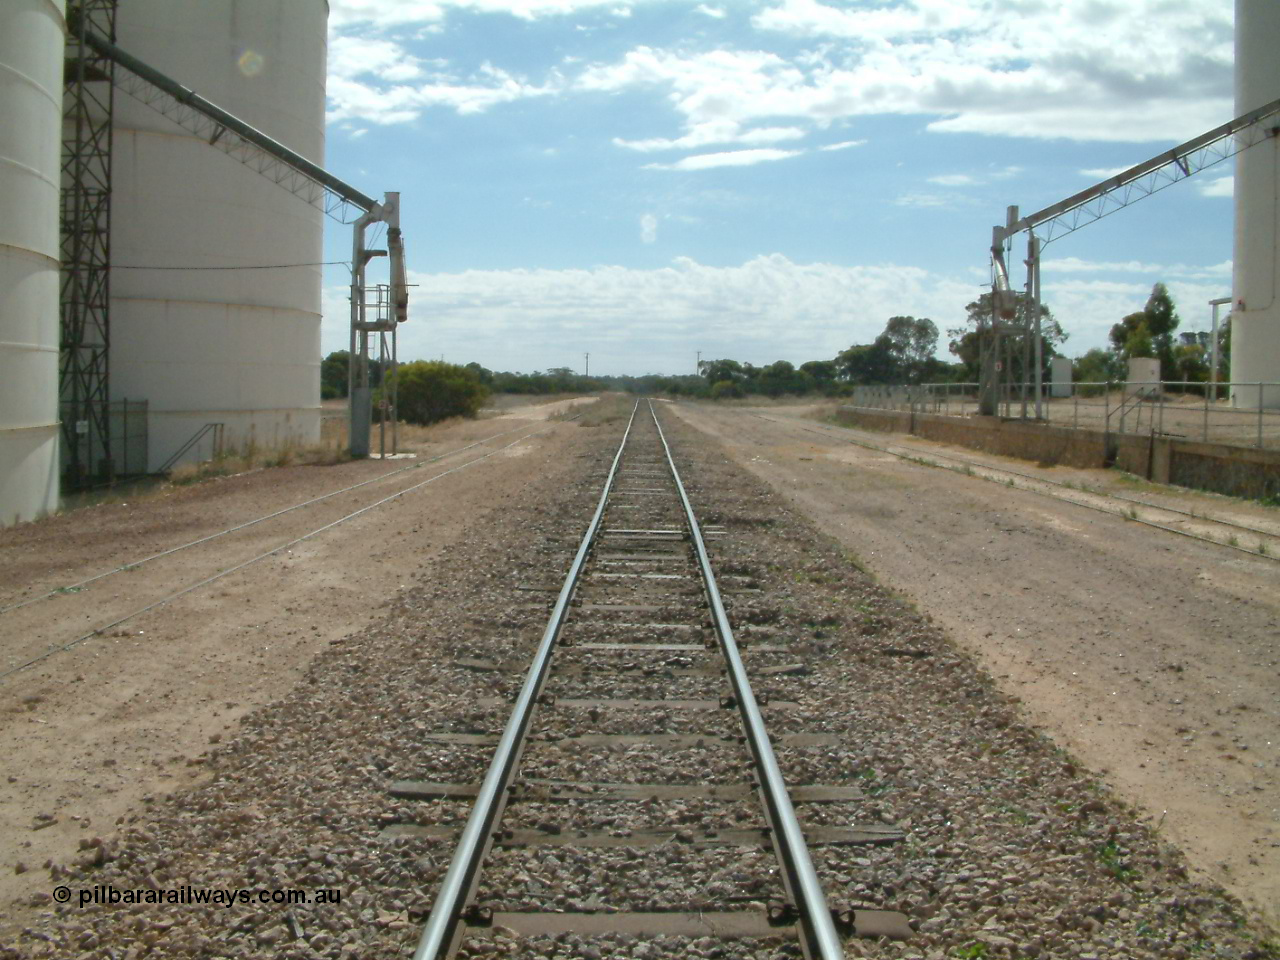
x: 587, y: 370
x: 698, y: 366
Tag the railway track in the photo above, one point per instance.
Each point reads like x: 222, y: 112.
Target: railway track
x: 1219, y: 531
x: 86, y: 609
x: 634, y: 790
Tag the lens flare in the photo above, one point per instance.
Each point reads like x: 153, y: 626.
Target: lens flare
x: 250, y: 63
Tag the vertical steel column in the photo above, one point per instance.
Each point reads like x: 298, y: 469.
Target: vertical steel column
x: 1033, y: 284
x: 88, y: 106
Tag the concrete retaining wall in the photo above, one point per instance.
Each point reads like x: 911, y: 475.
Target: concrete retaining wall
x: 1219, y: 467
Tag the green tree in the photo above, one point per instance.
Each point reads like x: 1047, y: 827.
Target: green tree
x: 431, y: 390
x: 865, y: 363
x: 1097, y: 366
x: 822, y: 373
x: 911, y: 343
x: 717, y: 371
x: 1149, y: 332
x: 333, y: 374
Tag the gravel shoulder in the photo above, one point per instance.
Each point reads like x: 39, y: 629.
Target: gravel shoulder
x: 1151, y: 658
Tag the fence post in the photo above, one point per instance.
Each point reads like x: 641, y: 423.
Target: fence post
x: 1206, y: 414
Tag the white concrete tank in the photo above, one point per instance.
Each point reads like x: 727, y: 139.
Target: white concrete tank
x: 1060, y: 377
x: 32, y: 37
x: 1255, y: 317
x: 237, y: 347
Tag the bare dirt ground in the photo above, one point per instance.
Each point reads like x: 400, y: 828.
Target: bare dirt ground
x: 1151, y: 657
x: 112, y: 724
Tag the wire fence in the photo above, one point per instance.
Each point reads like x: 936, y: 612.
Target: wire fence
x: 1243, y: 414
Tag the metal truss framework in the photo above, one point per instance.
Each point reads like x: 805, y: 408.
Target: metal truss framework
x: 1151, y: 176
x: 203, y: 119
x: 88, y: 102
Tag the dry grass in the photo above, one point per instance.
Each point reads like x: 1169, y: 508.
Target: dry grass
x: 610, y: 408
x: 252, y: 457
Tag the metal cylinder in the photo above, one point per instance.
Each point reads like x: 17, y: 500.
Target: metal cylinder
x: 1255, y: 316
x: 32, y: 36
x: 239, y: 347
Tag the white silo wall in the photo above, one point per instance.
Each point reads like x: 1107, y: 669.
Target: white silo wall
x: 237, y: 347
x: 1255, y: 326
x: 32, y: 37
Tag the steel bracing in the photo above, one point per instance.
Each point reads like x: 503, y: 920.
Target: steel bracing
x: 88, y: 102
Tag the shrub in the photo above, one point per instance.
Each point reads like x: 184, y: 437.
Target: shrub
x: 723, y: 389
x: 431, y: 390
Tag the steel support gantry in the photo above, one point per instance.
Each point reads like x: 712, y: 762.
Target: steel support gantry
x: 1081, y: 209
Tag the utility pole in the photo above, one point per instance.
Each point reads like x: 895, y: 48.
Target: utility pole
x: 587, y: 361
x: 698, y: 366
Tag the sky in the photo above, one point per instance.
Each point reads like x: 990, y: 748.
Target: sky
x: 765, y: 179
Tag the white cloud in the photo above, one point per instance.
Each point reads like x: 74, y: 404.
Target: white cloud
x: 636, y: 321
x: 731, y: 158
x: 1102, y: 173
x: 1220, y: 187
x: 713, y: 132
x: 648, y: 228
x: 917, y: 199
x: 398, y: 13
x: 843, y: 145
x: 377, y: 81
x: 716, y: 13
x: 1118, y: 70
x: 765, y: 309
x: 953, y: 180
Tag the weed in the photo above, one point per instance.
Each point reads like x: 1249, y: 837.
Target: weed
x: 872, y: 786
x: 1233, y: 541
x: 967, y: 470
x: 1133, y: 513
x: 68, y: 590
x: 130, y: 567
x: 972, y: 951
x: 1113, y: 859
x: 1010, y: 483
x: 1262, y: 547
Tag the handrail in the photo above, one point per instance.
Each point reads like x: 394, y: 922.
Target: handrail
x: 217, y: 429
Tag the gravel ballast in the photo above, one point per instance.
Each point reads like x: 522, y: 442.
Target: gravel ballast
x: 1009, y: 850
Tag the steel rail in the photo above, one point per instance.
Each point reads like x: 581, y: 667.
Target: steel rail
x: 444, y: 926
x: 98, y: 631
x: 71, y: 587
x: 921, y: 457
x: 818, y: 936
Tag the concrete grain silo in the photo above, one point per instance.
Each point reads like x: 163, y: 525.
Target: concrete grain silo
x: 240, y: 347
x: 32, y: 36
x: 1255, y: 316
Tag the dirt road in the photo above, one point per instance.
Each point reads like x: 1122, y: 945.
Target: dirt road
x: 93, y: 733
x: 1150, y: 657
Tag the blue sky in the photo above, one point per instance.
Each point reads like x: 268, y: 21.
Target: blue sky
x: 764, y: 179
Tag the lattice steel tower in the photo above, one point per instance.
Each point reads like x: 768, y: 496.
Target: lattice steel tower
x: 88, y: 105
